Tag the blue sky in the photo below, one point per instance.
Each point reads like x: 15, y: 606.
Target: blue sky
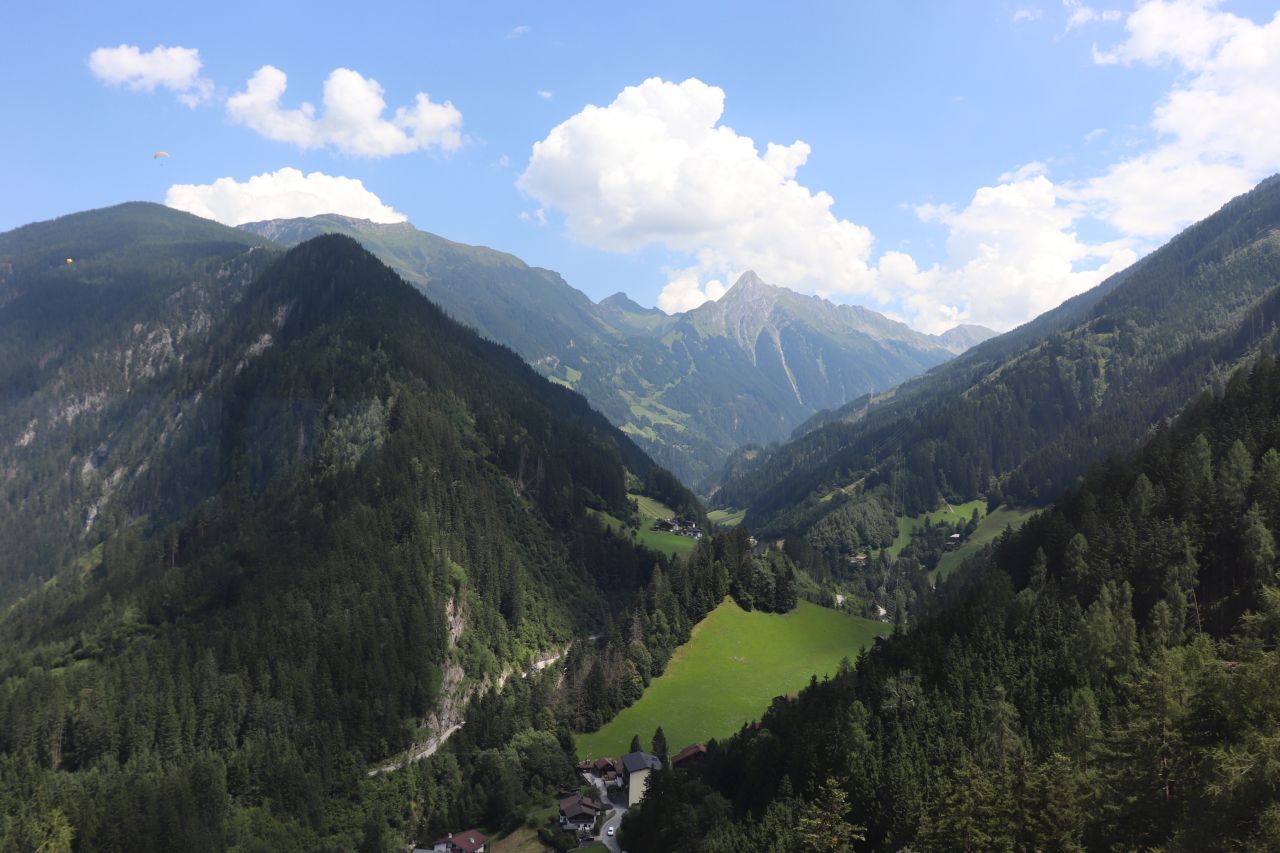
x: 959, y: 162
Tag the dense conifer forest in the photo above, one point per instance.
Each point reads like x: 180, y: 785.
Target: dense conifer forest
x: 1106, y: 677
x: 383, y: 511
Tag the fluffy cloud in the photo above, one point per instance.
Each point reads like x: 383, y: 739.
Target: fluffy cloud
x: 1219, y: 128
x: 174, y: 68
x: 282, y: 194
x: 655, y: 167
x: 353, y: 119
x: 685, y: 291
x: 1080, y: 14
x: 1011, y: 254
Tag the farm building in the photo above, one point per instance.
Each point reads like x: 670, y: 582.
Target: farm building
x: 471, y: 841
x: 636, y: 768
x: 578, y: 813
x: 691, y: 756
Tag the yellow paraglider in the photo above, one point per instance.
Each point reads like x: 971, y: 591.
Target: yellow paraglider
x: 69, y: 261
x: 159, y: 154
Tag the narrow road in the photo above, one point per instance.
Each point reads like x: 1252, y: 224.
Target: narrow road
x: 416, y: 752
x: 618, y: 801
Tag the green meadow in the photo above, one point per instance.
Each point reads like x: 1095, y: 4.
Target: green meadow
x: 650, y: 511
x: 727, y: 517
x: 909, y: 525
x: 989, y: 529
x: 729, y: 672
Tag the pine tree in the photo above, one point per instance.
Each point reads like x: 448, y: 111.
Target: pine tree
x: 660, y: 744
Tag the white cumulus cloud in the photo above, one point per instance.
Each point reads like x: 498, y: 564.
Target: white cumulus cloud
x: 174, y: 68
x: 283, y: 194
x: 1012, y: 253
x: 352, y: 121
x: 685, y: 291
x: 1218, y: 128
x: 656, y: 167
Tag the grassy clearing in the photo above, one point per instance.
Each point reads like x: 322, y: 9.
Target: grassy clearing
x: 668, y: 543
x: 727, y: 517
x: 908, y: 526
x: 523, y: 840
x: 650, y: 511
x: 729, y: 672
x: 988, y: 531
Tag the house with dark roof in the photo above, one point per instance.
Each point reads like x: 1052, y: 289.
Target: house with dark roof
x: 691, y: 756
x: 578, y: 813
x: 605, y: 768
x: 471, y: 841
x: 636, y: 768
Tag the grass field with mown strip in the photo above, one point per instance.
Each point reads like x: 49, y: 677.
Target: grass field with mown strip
x: 909, y: 525
x: 729, y: 672
x: 727, y: 517
x: 989, y: 529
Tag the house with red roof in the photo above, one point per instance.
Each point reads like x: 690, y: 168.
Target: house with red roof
x: 471, y: 841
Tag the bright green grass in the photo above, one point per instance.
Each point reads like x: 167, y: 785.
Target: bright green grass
x: 668, y: 543
x: 908, y: 526
x: 650, y: 511
x: 989, y: 529
x: 729, y: 672
x: 727, y: 517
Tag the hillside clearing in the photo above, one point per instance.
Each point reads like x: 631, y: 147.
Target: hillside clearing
x: 730, y: 670
x: 650, y: 511
x: 907, y: 526
x: 727, y: 517
x: 989, y: 529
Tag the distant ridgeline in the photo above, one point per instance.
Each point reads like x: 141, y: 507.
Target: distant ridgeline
x: 263, y: 513
x: 688, y: 388
x: 1020, y: 417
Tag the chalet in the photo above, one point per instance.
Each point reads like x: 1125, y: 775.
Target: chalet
x: 578, y: 813
x: 636, y: 768
x: 693, y: 755
x: 664, y: 525
x: 859, y: 559
x: 471, y: 841
x: 607, y: 769
x: 953, y: 542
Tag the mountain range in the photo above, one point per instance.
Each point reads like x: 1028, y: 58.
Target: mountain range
x: 276, y: 526
x: 1022, y: 416
x: 268, y: 517
x: 689, y: 388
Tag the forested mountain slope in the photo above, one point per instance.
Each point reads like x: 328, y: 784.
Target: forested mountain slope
x: 1106, y: 680
x: 361, y: 509
x: 688, y: 388
x: 1024, y: 414
x: 94, y: 308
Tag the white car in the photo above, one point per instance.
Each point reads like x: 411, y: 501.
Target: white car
x: 610, y: 832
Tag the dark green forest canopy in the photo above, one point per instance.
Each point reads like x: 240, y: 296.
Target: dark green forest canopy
x: 690, y: 387
x: 1020, y: 417
x: 1107, y: 678
x: 277, y: 595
